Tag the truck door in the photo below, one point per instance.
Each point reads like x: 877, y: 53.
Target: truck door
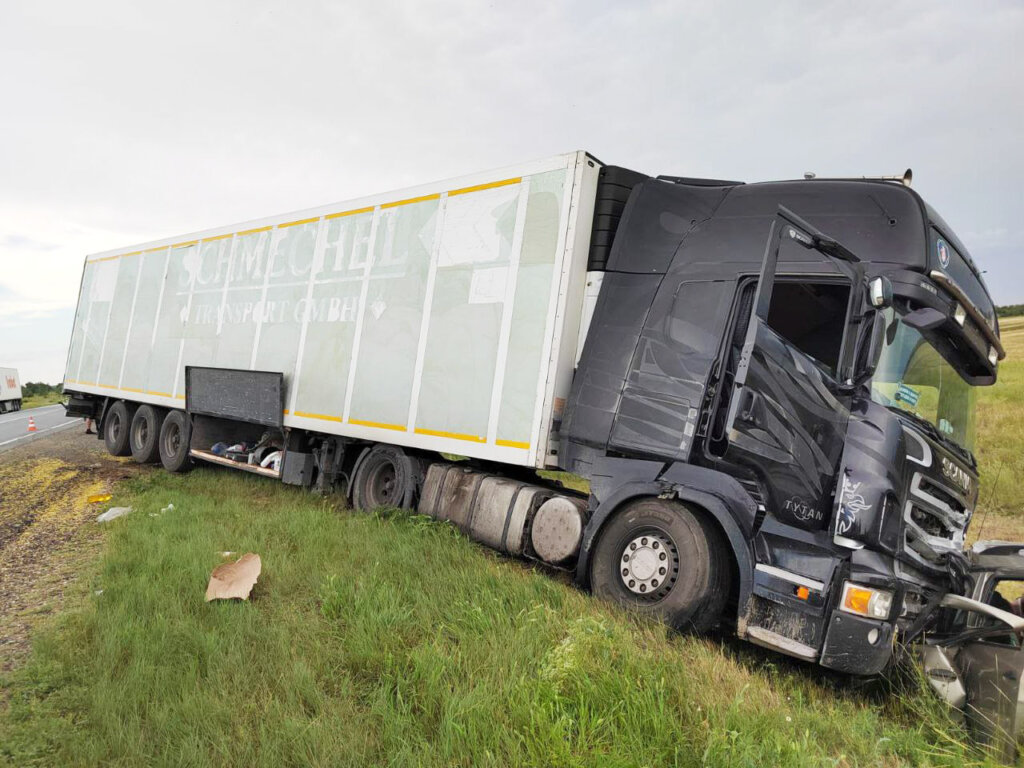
x: 787, y: 413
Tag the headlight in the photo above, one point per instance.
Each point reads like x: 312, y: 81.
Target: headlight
x: 866, y: 601
x: 993, y: 355
x: 960, y: 314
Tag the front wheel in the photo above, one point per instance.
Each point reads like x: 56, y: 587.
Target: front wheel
x: 662, y: 559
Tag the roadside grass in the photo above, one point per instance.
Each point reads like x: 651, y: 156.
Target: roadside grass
x: 1000, y: 437
x: 391, y: 639
x: 38, y: 401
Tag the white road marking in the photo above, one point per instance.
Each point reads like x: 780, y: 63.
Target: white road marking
x: 40, y: 432
x: 26, y: 414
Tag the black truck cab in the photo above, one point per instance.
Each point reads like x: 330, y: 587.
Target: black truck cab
x: 796, y: 361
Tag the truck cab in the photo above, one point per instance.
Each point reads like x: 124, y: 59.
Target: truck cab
x: 794, y: 363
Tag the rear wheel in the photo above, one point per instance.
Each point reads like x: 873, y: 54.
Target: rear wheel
x: 386, y: 477
x: 662, y: 559
x: 175, y: 436
x: 144, y: 435
x: 116, y: 426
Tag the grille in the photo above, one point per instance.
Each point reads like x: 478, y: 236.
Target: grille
x: 936, y: 519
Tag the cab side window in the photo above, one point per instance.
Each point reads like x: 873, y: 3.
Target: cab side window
x: 812, y: 317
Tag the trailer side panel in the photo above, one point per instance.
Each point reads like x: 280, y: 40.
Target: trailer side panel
x: 431, y: 318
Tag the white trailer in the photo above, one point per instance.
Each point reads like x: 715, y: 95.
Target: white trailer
x: 444, y: 317
x: 10, y: 390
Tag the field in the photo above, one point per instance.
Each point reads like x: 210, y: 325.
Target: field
x: 389, y: 639
x: 38, y: 401
x: 1001, y: 441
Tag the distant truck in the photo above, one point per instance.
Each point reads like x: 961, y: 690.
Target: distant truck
x: 770, y: 388
x: 10, y: 390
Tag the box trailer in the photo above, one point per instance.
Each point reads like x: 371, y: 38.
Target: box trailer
x: 769, y: 387
x: 441, y: 318
x: 10, y: 390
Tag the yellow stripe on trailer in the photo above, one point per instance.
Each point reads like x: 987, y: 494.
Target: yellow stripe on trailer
x: 353, y: 212
x: 480, y: 187
x: 377, y: 425
x: 512, y: 444
x: 321, y: 416
x: 452, y: 435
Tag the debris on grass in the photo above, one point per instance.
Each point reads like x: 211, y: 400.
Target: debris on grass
x: 113, y: 513
x: 96, y: 498
x: 234, y: 580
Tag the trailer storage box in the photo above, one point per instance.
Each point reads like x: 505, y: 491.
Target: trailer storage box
x: 444, y: 317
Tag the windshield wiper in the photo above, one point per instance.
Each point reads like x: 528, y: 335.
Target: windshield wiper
x: 935, y: 433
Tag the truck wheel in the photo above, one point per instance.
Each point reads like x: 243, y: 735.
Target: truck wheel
x: 144, y: 435
x: 659, y: 558
x: 116, y: 426
x: 175, y: 436
x: 386, y: 476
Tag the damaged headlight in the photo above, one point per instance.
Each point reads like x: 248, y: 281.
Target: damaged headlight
x: 866, y: 601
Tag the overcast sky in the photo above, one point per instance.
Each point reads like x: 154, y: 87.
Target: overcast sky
x: 125, y: 122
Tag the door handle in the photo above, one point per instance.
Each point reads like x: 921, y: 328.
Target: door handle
x: 748, y: 401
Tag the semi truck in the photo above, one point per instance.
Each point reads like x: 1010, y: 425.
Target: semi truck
x: 769, y: 387
x: 10, y: 390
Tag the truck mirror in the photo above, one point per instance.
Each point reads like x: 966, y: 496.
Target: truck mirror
x: 880, y: 292
x: 868, y: 351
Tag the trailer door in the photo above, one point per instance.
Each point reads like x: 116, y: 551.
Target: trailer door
x: 787, y: 414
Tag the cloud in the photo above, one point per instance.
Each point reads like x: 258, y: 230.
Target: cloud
x: 129, y: 121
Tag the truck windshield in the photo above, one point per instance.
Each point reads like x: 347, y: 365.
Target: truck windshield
x: 915, y: 378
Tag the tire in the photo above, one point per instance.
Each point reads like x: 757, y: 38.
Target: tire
x: 116, y: 427
x: 175, y: 436
x: 679, y: 561
x: 144, y: 435
x: 386, y: 476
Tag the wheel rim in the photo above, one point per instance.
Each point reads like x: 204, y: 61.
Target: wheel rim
x: 115, y: 426
x: 649, y: 565
x: 141, y: 429
x: 172, y: 440
x: 382, y: 485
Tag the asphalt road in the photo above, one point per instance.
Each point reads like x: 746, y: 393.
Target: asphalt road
x: 50, y: 418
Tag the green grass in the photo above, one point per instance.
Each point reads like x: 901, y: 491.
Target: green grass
x: 38, y: 401
x: 1001, y: 429
x: 392, y: 640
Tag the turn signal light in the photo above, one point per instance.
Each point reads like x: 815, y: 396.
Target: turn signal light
x: 866, y: 601
x: 802, y: 593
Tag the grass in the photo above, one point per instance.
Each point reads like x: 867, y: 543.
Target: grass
x: 391, y: 640
x: 38, y: 401
x: 1001, y: 437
